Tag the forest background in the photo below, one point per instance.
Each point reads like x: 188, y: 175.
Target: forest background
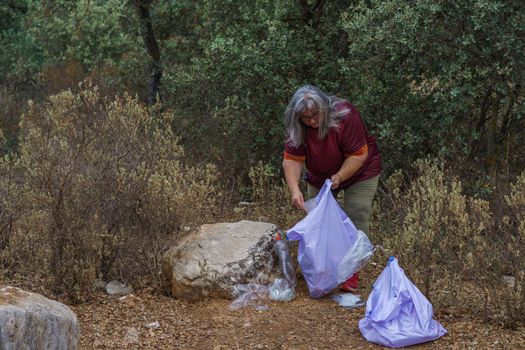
x: 126, y: 123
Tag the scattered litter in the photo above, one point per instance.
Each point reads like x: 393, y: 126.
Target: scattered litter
x: 349, y: 300
x: 251, y: 294
x: 280, y: 290
x: 283, y: 289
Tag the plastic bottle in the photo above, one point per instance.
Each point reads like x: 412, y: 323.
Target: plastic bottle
x: 285, y: 261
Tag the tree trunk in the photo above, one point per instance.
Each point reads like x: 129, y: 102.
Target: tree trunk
x: 148, y: 35
x: 492, y: 133
x: 312, y: 13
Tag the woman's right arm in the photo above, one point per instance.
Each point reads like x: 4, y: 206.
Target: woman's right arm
x: 292, y: 174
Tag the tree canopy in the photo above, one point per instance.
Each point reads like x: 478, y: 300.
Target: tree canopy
x: 430, y: 77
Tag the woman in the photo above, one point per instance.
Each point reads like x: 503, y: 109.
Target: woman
x: 328, y: 135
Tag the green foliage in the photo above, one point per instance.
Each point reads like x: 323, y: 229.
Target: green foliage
x: 430, y: 73
x: 21, y: 55
x: 428, y: 76
x: 252, y: 60
x: 91, y: 32
x: 96, y: 190
x: 95, y: 179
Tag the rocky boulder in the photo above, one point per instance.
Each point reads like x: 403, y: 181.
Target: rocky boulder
x: 31, y: 321
x: 215, y: 258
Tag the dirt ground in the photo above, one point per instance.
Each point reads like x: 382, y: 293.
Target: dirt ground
x: 130, y: 322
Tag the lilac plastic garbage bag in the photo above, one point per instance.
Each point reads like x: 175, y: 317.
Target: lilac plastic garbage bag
x: 331, y: 249
x: 397, y: 313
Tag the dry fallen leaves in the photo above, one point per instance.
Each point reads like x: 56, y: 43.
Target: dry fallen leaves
x: 303, y: 323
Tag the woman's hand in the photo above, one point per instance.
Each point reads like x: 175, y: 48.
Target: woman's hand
x: 298, y: 200
x: 336, y: 180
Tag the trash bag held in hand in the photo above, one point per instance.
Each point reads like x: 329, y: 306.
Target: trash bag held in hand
x: 331, y: 249
x: 397, y: 313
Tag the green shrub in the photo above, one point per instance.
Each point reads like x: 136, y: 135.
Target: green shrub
x: 438, y: 78
x: 98, y: 187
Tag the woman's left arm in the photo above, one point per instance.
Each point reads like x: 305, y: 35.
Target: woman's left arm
x: 350, y: 166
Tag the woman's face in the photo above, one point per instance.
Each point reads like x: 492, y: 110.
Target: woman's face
x: 310, y: 118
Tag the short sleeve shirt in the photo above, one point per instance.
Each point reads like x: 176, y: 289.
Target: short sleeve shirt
x: 324, y: 157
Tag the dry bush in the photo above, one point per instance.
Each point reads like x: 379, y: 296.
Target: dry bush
x: 62, y: 76
x: 453, y: 246
x: 506, y: 258
x: 10, y: 109
x: 271, y: 197
x: 98, y: 187
x: 429, y: 228
x: 2, y: 139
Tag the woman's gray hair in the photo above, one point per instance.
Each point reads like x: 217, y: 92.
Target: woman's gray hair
x: 311, y: 98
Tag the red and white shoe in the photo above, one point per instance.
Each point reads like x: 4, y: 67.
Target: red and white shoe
x: 351, y: 284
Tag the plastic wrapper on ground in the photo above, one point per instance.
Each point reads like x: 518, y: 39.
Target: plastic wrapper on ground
x: 348, y: 300
x: 250, y: 295
x: 280, y: 290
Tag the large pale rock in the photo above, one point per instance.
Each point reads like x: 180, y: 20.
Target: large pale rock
x: 30, y: 321
x: 217, y: 257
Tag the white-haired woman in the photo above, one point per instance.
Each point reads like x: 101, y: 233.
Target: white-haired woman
x: 327, y: 135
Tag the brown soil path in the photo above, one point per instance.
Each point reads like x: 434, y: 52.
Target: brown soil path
x: 303, y: 323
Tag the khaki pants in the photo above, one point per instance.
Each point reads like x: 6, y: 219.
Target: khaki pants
x: 358, y: 200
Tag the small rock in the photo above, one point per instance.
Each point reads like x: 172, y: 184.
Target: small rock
x: 132, y: 336
x: 247, y: 325
x: 509, y: 281
x: 115, y: 288
x: 98, y: 344
x: 152, y: 325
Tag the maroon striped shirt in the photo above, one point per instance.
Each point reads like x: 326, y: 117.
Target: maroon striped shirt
x: 325, y: 157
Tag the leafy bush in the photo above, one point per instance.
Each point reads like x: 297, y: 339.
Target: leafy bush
x: 438, y: 77
x: 98, y: 187
x: 251, y: 61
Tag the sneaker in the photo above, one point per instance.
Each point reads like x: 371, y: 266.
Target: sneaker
x: 351, y: 284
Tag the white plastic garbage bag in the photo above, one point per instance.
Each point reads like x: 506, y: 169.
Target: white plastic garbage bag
x: 331, y: 249
x: 397, y: 313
